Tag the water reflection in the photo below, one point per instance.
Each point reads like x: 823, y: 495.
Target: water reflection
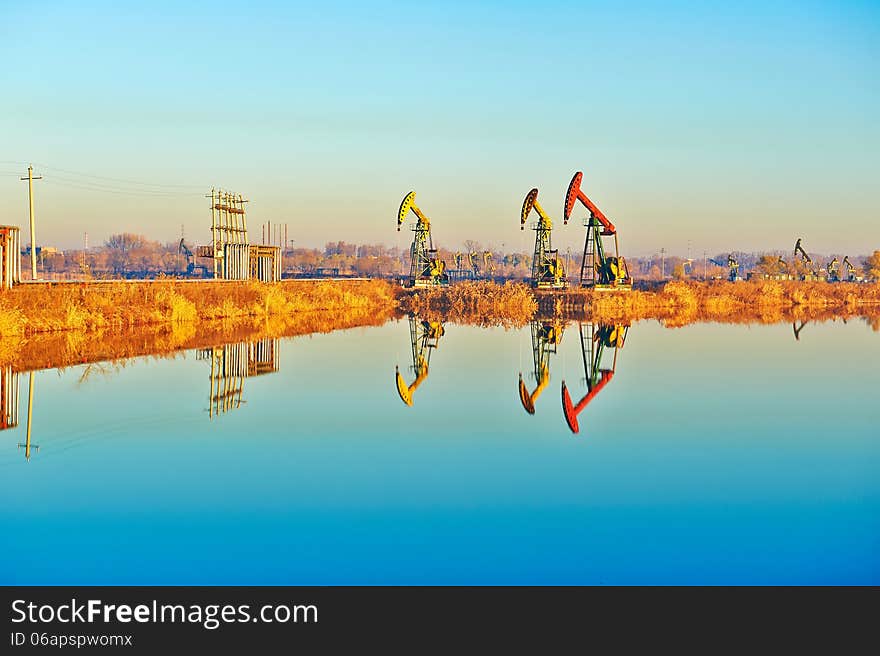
x: 546, y: 337
x: 231, y: 364
x: 8, y: 398
x: 595, y: 339
x: 424, y: 337
x: 9, y: 403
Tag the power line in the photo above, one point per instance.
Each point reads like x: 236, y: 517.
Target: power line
x: 112, y: 179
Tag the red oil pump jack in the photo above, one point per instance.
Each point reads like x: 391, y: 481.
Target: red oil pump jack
x: 599, y: 270
x: 594, y: 340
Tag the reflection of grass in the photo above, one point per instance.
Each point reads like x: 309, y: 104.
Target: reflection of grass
x: 476, y: 302
x: 29, y: 309
x: 67, y: 348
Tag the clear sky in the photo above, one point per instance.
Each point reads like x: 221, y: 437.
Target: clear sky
x: 736, y: 126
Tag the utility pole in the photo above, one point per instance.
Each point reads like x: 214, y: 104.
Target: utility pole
x: 663, y: 264
x: 30, y: 178
x: 705, y: 266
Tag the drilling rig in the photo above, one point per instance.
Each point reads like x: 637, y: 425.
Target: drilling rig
x: 594, y: 340
x: 599, y: 270
x: 426, y: 269
x: 547, y: 269
x: 546, y: 336
x: 425, y: 337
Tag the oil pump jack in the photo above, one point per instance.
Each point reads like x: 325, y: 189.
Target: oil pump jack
x: 599, y: 270
x: 425, y: 337
x: 806, y: 260
x: 595, y: 338
x: 192, y: 268
x: 547, y: 269
x: 833, y: 270
x: 426, y: 269
x: 546, y: 336
x: 850, y: 269
x: 733, y: 265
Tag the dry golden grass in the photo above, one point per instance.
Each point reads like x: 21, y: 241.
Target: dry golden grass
x: 108, y: 306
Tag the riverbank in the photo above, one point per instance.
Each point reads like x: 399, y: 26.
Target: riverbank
x: 32, y: 309
x: 676, y: 303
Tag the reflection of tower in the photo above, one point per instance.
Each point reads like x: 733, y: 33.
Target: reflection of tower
x: 546, y: 336
x: 27, y: 445
x: 425, y: 337
x: 231, y: 364
x: 8, y: 398
x: 594, y: 340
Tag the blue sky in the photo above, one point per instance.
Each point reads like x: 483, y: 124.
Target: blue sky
x: 730, y: 127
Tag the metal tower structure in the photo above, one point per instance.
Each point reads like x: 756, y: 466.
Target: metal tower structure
x: 595, y: 338
x: 425, y: 337
x: 546, y: 337
x: 599, y: 270
x: 425, y: 268
x: 548, y: 271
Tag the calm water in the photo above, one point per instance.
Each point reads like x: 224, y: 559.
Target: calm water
x: 714, y: 454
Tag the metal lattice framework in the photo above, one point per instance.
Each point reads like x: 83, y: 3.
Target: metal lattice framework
x: 426, y: 269
x: 599, y: 269
x: 595, y: 338
x: 547, y: 269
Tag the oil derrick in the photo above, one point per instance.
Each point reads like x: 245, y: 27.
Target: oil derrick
x: 425, y: 337
x: 599, y: 270
x: 546, y: 337
x: 595, y: 339
x: 426, y: 269
x: 547, y: 269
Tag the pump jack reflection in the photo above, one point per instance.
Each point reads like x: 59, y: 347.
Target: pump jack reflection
x: 424, y: 337
x: 231, y: 364
x: 546, y: 337
x: 595, y: 340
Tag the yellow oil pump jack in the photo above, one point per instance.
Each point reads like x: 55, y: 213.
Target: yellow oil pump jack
x: 833, y: 270
x: 548, y: 271
x: 733, y: 268
x: 850, y: 269
x: 425, y: 337
x: 546, y: 336
x: 426, y: 269
x: 488, y: 263
x: 599, y: 270
x: 595, y: 338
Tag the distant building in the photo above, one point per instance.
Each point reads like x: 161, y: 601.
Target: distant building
x: 42, y: 251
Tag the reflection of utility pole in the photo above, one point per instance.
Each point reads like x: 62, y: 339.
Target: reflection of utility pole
x: 705, y: 266
x: 27, y: 444
x: 30, y: 178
